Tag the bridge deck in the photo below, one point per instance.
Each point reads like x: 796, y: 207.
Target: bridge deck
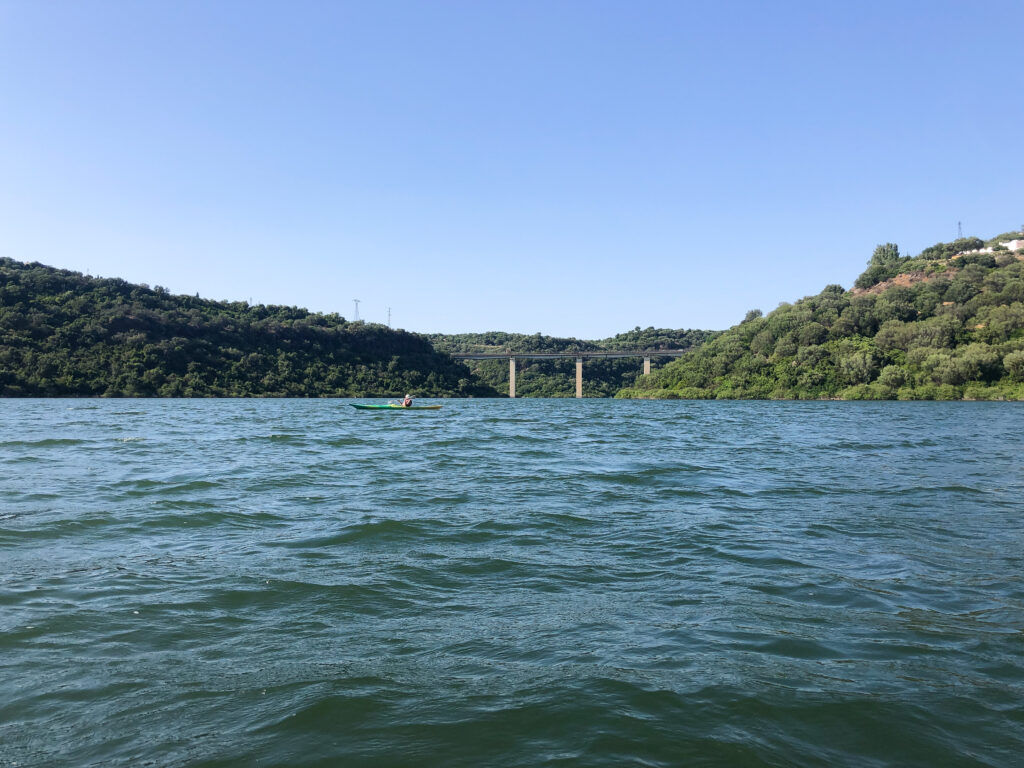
x: 535, y: 355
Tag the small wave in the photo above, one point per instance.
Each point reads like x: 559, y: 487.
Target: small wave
x: 367, y: 532
x: 57, y: 529
x: 801, y: 490
x: 643, y: 476
x: 446, y: 443
x: 563, y: 519
x: 210, y: 519
x: 149, y: 487
x: 767, y: 561
x: 322, y: 715
x: 285, y: 438
x: 904, y: 491
x: 961, y: 489
x: 44, y: 443
x: 853, y: 445
x: 684, y: 493
x: 343, y: 442
x: 22, y: 460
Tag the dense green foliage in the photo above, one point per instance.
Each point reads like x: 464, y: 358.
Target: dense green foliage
x: 62, y: 333
x: 950, y: 327
x: 557, y: 378
x: 945, y: 324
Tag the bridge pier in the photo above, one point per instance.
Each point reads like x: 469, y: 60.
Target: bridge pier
x: 647, y: 365
x: 511, y: 377
x: 579, y: 377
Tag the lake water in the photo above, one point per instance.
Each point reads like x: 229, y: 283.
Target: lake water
x: 511, y: 583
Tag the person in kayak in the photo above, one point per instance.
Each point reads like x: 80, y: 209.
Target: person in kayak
x: 407, y: 402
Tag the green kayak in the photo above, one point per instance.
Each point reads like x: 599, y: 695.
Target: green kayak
x: 396, y: 407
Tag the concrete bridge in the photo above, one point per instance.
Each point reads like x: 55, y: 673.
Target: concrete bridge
x: 646, y: 354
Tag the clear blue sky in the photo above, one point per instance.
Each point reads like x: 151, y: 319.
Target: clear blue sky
x: 573, y: 167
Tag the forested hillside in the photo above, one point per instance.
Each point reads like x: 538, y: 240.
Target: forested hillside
x: 947, y: 324
x: 63, y: 333
x: 557, y: 378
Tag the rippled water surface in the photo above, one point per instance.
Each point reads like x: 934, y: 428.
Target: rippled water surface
x: 511, y: 583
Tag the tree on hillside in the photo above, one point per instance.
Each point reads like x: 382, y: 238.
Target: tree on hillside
x: 889, y: 253
x: 883, y: 265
